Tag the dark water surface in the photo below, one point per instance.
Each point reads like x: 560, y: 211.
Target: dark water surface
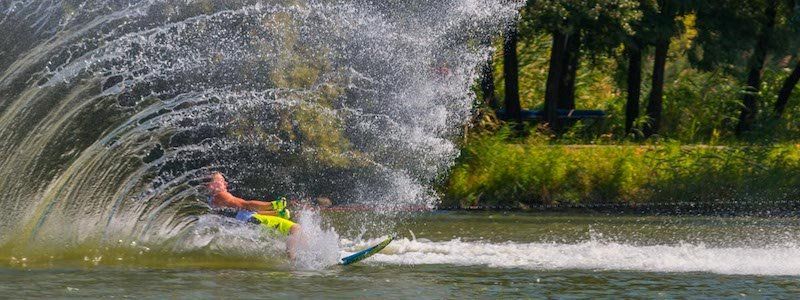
x: 429, y: 281
x: 458, y: 255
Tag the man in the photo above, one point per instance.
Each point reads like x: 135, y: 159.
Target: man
x: 273, y: 215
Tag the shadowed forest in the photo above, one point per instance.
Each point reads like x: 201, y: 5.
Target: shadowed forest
x: 630, y: 103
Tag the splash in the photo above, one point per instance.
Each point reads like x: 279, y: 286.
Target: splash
x: 317, y: 245
x: 112, y: 112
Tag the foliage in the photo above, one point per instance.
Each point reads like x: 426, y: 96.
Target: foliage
x: 494, y: 170
x: 696, y: 157
x: 700, y: 104
x: 568, y: 16
x: 728, y: 29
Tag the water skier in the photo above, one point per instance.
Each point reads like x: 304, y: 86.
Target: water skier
x: 271, y: 214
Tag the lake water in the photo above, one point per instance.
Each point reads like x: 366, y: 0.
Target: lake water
x: 461, y: 254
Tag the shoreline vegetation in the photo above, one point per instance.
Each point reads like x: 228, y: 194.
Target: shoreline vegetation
x: 498, y: 172
x: 698, y: 104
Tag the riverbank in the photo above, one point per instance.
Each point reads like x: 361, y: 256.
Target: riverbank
x: 498, y: 173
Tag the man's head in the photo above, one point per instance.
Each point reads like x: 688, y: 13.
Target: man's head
x: 218, y: 183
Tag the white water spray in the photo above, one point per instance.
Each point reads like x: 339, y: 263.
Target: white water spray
x: 114, y: 111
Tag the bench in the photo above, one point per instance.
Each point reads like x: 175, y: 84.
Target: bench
x: 566, y: 114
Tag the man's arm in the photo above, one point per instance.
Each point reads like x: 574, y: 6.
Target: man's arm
x: 218, y: 187
x: 226, y: 199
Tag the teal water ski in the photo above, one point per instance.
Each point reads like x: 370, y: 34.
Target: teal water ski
x: 363, y: 254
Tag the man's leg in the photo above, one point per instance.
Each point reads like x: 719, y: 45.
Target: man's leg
x: 285, y: 227
x: 292, y: 241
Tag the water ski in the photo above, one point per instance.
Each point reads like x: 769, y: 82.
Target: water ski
x: 363, y: 254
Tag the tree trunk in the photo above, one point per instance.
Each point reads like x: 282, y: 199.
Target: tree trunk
x: 655, y: 103
x: 634, y: 85
x: 510, y: 69
x: 566, y: 91
x: 786, y: 90
x: 554, y: 79
x: 487, y: 84
x: 756, y: 65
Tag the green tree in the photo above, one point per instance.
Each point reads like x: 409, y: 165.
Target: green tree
x: 574, y: 25
x: 511, y: 76
x: 729, y: 30
x: 487, y: 83
x: 633, y: 52
x: 657, y: 27
x: 786, y: 90
x: 756, y: 67
x: 791, y: 38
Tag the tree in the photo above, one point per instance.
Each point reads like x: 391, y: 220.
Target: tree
x: 487, y: 84
x: 786, y: 91
x: 555, y: 79
x: 729, y: 30
x: 510, y: 73
x: 756, y: 66
x: 659, y: 25
x: 792, y: 42
x: 633, y: 50
x: 655, y: 103
x: 569, y: 70
x: 572, y: 25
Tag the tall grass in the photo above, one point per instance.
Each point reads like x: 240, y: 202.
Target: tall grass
x: 496, y: 170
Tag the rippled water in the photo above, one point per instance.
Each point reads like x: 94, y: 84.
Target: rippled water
x: 471, y: 255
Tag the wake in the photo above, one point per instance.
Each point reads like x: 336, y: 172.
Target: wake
x: 596, y: 255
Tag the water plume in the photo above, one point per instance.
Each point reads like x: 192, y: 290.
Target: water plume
x: 114, y: 111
